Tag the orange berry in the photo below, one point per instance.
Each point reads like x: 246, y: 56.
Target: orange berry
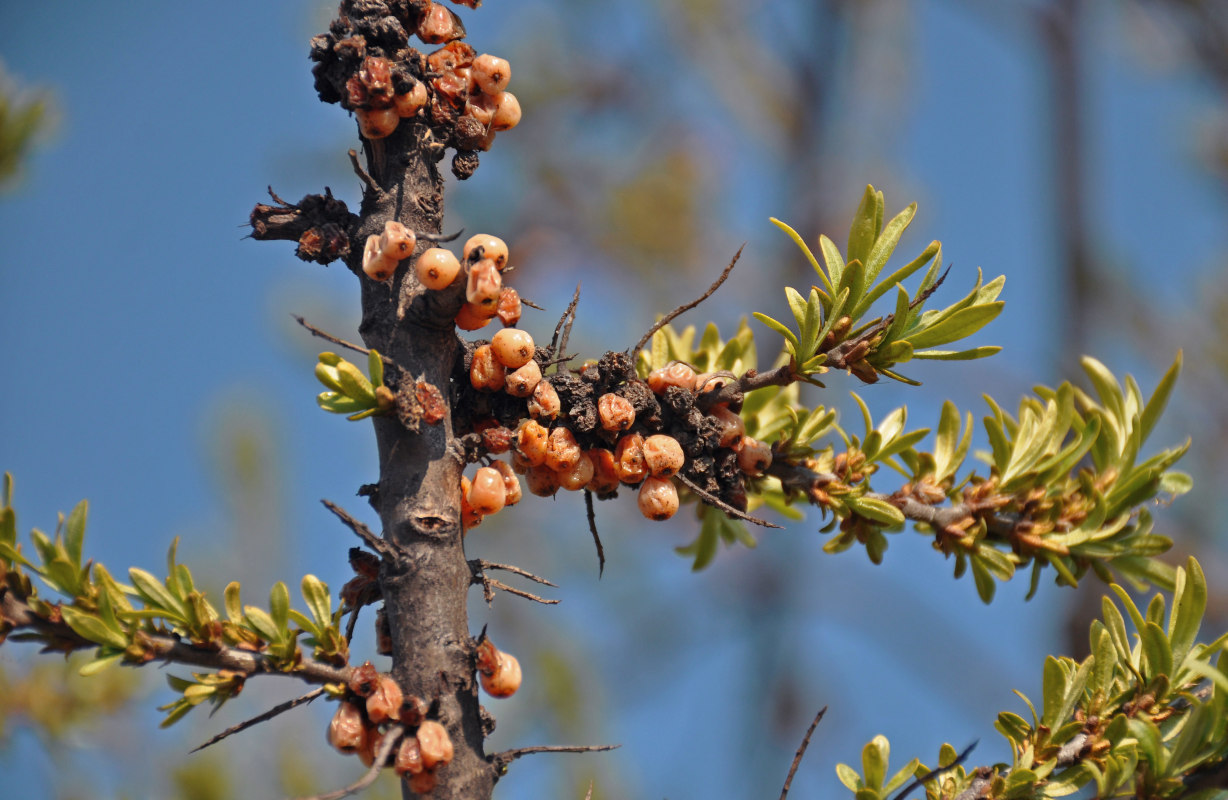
x: 524, y: 381
x: 754, y: 456
x: 663, y: 455
x: 676, y: 374
x: 437, y: 268
x: 385, y: 702
x: 616, y: 412
x: 407, y: 104
x: 629, y: 458
x: 471, y: 317
x: 531, y: 442
x: 469, y: 517
x: 484, y: 285
x: 346, y: 731
x: 507, y: 115
x: 710, y: 381
x: 434, y: 743
x: 513, y: 347
x: 542, y: 480
x: 485, y: 373
x: 731, y: 425
x: 397, y: 242
x: 379, y: 123
x: 511, y: 484
x: 488, y: 494
x: 375, y: 264
x: 562, y: 452
x: 493, y: 248
x: 508, y: 308
x: 545, y: 402
x: 438, y: 26
x: 482, y: 108
x: 491, y: 73
x: 605, y: 471
x: 658, y: 499
x: 576, y: 478
x: 409, y: 757
x: 505, y: 679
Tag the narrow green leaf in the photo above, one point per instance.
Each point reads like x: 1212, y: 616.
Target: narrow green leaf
x: 99, y: 663
x: 375, y: 368
x: 315, y: 593
x: 91, y: 627
x: 279, y: 605
x: 945, y: 440
x: 901, y: 275
x: 74, y: 532
x: 876, y: 510
x: 1159, y: 397
x: 959, y: 325
x: 327, y: 375
x: 1189, y: 605
x: 834, y: 262
x: 957, y: 355
x: 874, y: 758
x: 155, y: 594
x: 234, y: 611
x: 259, y: 621
x: 781, y: 328
x: 801, y: 245
x: 886, y: 243
x: 863, y: 232
x: 354, y: 383
x: 1157, y: 656
x: 985, y: 585
x: 849, y: 777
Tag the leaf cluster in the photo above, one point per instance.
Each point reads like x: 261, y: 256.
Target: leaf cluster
x: 351, y: 392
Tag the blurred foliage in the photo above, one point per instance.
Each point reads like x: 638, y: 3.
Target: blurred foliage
x: 25, y: 118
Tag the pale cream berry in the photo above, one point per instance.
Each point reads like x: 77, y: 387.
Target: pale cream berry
x: 629, y: 458
x: 523, y: 381
x: 437, y: 268
x: 482, y: 108
x: 375, y: 265
x: 754, y: 456
x: 397, y: 242
x: 471, y: 317
x: 424, y: 782
x: 663, y: 455
x: 379, y: 123
x: 615, y: 412
x: 542, y: 481
x: 605, y: 471
x: 511, y: 484
x: 491, y: 73
x: 408, y: 104
x: 513, y: 347
x: 484, y: 285
x: 438, y: 26
x: 545, y: 403
x: 658, y: 499
x: 508, y: 308
x: 485, y: 373
x: 507, y: 114
x: 504, y: 680
x: 409, y: 757
x: 385, y: 702
x: 493, y: 248
x: 347, y: 731
x: 577, y: 478
x: 487, y: 494
x: 676, y: 374
x: 532, y: 441
x: 731, y: 426
x: 434, y: 743
x: 562, y: 452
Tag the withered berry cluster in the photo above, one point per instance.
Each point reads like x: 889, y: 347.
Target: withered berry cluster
x: 374, y: 704
x: 366, y: 64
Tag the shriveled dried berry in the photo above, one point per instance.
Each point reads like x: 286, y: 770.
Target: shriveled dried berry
x: 511, y: 484
x: 663, y: 455
x: 397, y: 242
x: 605, y: 472
x: 545, y: 401
x: 513, y: 347
x: 508, y: 308
x: 434, y: 743
x: 493, y: 248
x: 484, y: 285
x: 437, y: 268
x: 485, y: 373
x: 542, y: 480
x: 629, y: 458
x: 364, y: 679
x: 469, y: 517
x: 676, y: 374
x: 375, y: 264
x: 385, y: 702
x: 577, y: 478
x: 409, y: 757
x: 523, y: 381
x: 532, y: 442
x: 562, y: 452
x: 347, y: 731
x: 658, y: 499
x: 496, y: 439
x: 439, y: 25
x: 616, y: 413
x: 487, y: 494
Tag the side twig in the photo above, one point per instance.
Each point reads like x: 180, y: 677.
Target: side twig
x: 665, y: 320
x: 934, y: 773
x: 712, y: 499
x: 272, y: 712
x: 508, y: 756
x: 377, y: 544
x: 592, y: 526
x: 362, y: 174
x: 381, y: 757
x: 801, y: 751
x: 563, y: 328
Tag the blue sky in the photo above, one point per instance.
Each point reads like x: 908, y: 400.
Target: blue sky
x: 138, y: 321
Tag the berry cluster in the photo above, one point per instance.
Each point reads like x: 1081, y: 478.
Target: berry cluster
x: 384, y: 251
x: 365, y: 64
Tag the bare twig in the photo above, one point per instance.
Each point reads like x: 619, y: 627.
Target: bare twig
x: 440, y: 237
x: 563, y: 328
x: 508, y: 756
x: 362, y: 174
x: 478, y: 564
x: 277, y: 199
x: 272, y: 712
x: 518, y: 592
x: 377, y: 544
x: 665, y: 320
x: 712, y: 499
x: 335, y: 340
x: 801, y: 751
x: 381, y: 757
x: 934, y: 773
x: 531, y: 304
x: 592, y: 526
x: 351, y: 624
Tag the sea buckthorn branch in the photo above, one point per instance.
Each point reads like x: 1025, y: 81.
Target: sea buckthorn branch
x: 321, y: 224
x: 1142, y: 716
